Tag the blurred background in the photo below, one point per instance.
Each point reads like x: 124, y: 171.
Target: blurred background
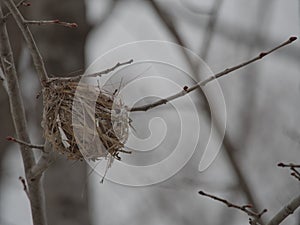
x: 262, y: 103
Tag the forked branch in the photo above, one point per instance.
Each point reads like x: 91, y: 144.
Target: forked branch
x: 36, y: 56
x: 254, y: 216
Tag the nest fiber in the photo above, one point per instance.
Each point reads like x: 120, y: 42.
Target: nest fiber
x: 73, y: 131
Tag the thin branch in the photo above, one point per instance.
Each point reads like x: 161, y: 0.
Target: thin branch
x: 289, y: 165
x: 19, y: 119
x: 293, y: 167
x: 44, y: 163
x: 244, y: 208
x: 36, y: 56
x: 285, y: 211
x: 47, y: 22
x: 21, y: 3
x: 97, y: 74
x: 212, y: 78
x: 40, y: 147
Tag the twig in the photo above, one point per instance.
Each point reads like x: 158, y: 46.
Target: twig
x: 21, y: 3
x: 23, y: 181
x: 47, y: 22
x: 285, y: 211
x: 294, y: 172
x: 244, y: 208
x: 40, y: 147
x: 36, y: 56
x: 206, y: 81
x: 19, y: 119
x: 97, y: 74
x: 289, y: 165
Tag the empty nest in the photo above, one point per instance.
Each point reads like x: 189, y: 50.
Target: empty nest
x: 76, y: 115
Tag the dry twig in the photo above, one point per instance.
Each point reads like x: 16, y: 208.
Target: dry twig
x: 40, y: 147
x: 36, y: 56
x: 19, y: 118
x: 214, y: 77
x: 97, y: 74
x: 254, y: 216
x: 47, y: 22
x: 293, y: 167
x: 21, y: 3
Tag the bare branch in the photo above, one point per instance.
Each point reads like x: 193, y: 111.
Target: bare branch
x: 47, y: 158
x: 212, y: 78
x: 19, y: 119
x: 289, y: 165
x: 36, y: 56
x: 21, y: 3
x: 285, y: 211
x: 47, y: 22
x: 293, y: 167
x: 244, y: 208
x: 97, y: 74
x: 40, y: 147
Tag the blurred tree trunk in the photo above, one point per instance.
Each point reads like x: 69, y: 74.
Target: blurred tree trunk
x: 62, y: 49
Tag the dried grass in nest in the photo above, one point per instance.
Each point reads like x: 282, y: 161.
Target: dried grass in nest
x: 102, y: 115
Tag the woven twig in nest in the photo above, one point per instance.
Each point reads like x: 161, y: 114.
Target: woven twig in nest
x: 82, y: 122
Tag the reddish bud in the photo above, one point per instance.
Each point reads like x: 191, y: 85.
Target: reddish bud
x: 293, y: 38
x: 262, y: 54
x: 280, y: 164
x: 10, y: 138
x: 74, y: 25
x: 26, y: 4
x: 247, y: 206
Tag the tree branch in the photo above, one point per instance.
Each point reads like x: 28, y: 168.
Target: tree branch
x: 21, y: 3
x: 285, y: 211
x: 244, y: 208
x: 18, y: 115
x: 47, y: 22
x: 47, y: 158
x: 36, y: 56
x: 214, y: 77
x: 293, y: 167
x: 40, y: 147
x: 97, y: 74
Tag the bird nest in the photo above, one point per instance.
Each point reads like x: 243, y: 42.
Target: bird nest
x: 82, y: 121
